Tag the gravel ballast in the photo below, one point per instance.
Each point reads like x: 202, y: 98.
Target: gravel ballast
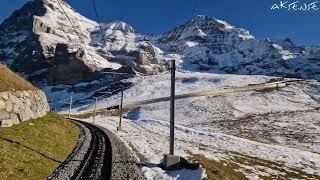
x: 70, y: 166
x: 124, y: 164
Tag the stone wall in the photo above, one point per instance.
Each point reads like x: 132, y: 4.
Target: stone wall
x: 18, y: 106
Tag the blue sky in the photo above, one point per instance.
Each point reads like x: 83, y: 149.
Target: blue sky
x: 157, y: 16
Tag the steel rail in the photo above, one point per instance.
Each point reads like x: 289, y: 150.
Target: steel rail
x: 88, y: 159
x: 94, y: 166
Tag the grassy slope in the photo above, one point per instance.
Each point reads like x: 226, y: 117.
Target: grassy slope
x: 43, y: 144
x: 9, y: 81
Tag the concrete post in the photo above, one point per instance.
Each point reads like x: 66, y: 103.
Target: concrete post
x: 120, y: 109
x: 54, y: 105
x: 70, y: 107
x: 95, y: 111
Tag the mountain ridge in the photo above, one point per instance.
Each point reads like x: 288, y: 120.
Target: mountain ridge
x: 41, y: 43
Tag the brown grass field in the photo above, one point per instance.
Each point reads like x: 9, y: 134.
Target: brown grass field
x: 10, y: 81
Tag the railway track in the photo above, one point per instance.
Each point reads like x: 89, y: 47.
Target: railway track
x: 91, y: 159
x: 97, y: 163
x: 99, y: 154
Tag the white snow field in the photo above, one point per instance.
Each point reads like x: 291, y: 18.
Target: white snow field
x: 265, y: 134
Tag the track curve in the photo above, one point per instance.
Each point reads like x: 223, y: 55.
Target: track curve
x: 91, y: 159
x: 99, y: 154
x: 98, y: 161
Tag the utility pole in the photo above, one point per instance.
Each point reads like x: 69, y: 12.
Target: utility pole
x: 172, y: 105
x: 195, y: 5
x: 170, y: 161
x: 70, y: 107
x: 52, y: 105
x: 120, y: 109
x: 95, y: 111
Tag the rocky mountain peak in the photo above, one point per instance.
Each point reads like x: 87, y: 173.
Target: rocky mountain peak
x: 205, y: 22
x: 287, y: 44
x: 120, y: 26
x: 22, y: 18
x: 203, y: 29
x: 30, y: 38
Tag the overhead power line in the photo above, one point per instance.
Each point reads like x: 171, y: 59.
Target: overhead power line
x: 98, y: 19
x: 96, y: 12
x: 73, y: 26
x: 194, y: 9
x: 101, y: 31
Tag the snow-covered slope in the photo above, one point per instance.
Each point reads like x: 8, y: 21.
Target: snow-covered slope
x: 279, y: 126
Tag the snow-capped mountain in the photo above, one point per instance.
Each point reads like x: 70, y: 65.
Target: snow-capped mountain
x: 118, y: 42
x: 208, y: 44
x: 48, y: 41
x: 38, y: 41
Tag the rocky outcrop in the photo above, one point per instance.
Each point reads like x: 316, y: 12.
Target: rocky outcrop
x: 18, y: 106
x: 120, y: 43
x: 77, y: 70
x: 36, y: 41
x: 19, y: 46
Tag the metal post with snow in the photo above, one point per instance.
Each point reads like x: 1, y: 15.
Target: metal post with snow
x: 120, y: 109
x: 172, y: 105
x: 70, y: 107
x: 95, y: 111
x: 170, y: 161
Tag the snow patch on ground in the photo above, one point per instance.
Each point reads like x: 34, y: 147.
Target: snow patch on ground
x: 219, y: 123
